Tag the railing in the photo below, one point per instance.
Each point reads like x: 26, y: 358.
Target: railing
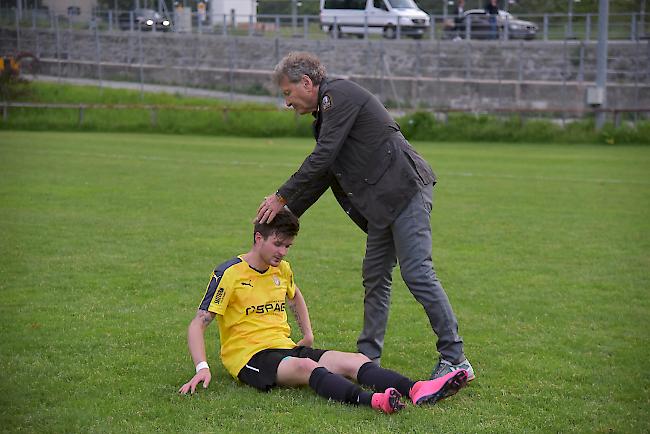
x: 632, y: 26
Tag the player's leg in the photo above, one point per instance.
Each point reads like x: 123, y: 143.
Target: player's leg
x: 358, y: 367
x: 346, y: 364
x: 377, y: 271
x: 295, y: 371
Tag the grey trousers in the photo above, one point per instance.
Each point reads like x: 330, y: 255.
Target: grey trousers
x: 407, y: 240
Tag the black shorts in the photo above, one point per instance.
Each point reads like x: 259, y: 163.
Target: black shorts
x: 261, y: 371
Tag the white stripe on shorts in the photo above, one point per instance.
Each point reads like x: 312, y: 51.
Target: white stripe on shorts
x: 251, y: 368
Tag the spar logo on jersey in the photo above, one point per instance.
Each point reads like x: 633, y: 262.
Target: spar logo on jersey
x: 218, y: 297
x: 262, y: 309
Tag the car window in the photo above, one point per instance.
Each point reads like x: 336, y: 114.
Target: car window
x: 403, y: 4
x: 379, y: 4
x: 345, y: 4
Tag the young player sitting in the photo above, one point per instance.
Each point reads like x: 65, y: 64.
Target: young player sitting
x: 249, y: 295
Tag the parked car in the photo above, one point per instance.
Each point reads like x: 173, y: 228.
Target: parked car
x: 356, y: 17
x: 145, y: 19
x: 479, y: 26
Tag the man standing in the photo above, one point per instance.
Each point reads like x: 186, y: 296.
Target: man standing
x: 492, y: 9
x: 385, y: 187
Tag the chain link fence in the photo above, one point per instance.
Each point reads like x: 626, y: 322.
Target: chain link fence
x: 627, y: 26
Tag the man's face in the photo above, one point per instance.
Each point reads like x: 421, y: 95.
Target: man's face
x: 301, y: 96
x: 272, y: 249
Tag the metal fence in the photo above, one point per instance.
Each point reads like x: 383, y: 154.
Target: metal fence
x: 631, y: 26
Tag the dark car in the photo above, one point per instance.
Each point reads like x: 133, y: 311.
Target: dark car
x: 144, y: 19
x: 476, y: 24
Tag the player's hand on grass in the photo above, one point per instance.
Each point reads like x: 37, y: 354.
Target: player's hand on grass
x: 202, y: 376
x: 269, y: 207
x: 307, y: 340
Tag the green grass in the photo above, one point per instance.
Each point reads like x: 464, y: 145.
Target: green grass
x: 259, y: 120
x: 108, y: 241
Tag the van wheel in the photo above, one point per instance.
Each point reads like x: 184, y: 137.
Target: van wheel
x: 335, y: 32
x: 390, y: 32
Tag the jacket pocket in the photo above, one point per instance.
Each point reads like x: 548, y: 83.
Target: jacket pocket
x: 420, y: 166
x: 378, y: 165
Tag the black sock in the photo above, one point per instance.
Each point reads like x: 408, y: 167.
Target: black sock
x: 337, y: 387
x: 381, y: 379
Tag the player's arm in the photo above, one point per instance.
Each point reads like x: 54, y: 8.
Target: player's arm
x: 299, y: 308
x: 196, y: 344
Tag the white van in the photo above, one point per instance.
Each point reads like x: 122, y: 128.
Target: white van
x: 387, y: 17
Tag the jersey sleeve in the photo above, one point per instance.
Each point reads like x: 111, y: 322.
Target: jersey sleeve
x: 217, y: 295
x: 291, y: 285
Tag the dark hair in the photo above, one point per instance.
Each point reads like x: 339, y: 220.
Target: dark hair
x: 284, y: 225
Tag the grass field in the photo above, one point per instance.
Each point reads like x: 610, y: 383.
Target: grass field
x: 108, y: 240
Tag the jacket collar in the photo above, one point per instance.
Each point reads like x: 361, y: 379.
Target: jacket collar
x: 321, y: 90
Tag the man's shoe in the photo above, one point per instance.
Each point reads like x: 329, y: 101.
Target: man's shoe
x: 444, y: 367
x: 432, y: 391
x: 388, y: 401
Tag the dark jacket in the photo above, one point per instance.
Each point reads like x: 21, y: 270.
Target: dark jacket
x: 361, y: 154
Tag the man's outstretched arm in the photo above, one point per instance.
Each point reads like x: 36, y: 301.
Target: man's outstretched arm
x: 196, y: 344
x: 299, y: 308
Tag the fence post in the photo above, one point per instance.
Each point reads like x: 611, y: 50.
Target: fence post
x: 581, y: 65
x: 588, y: 27
x: 98, y: 56
x: 141, y: 66
x: 305, y: 26
x: 38, y: 43
x: 520, y: 65
x: 365, y: 25
x: 110, y: 20
x: 250, y: 25
x: 153, y: 117
x: 545, y: 27
x: 433, y: 27
x: 633, y: 29
x: 18, y: 28
x: 467, y: 59
x: 58, y: 44
x: 224, y: 29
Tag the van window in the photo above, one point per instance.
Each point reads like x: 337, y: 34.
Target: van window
x: 402, y: 4
x: 345, y: 4
x: 379, y: 4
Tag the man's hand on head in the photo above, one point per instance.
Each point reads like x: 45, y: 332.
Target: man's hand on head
x: 268, y: 209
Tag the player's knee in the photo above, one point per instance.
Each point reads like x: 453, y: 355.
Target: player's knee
x: 305, y: 366
x: 358, y: 360
x: 353, y: 361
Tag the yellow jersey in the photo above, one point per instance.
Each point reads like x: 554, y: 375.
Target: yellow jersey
x: 251, y: 309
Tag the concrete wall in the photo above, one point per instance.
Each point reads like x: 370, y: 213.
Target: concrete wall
x: 440, y: 74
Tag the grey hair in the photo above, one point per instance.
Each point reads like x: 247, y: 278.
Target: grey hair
x: 296, y: 64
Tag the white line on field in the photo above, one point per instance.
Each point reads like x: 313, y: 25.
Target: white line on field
x: 295, y: 166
